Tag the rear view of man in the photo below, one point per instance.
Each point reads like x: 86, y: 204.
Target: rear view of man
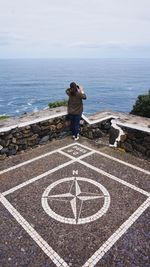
x: 75, y: 107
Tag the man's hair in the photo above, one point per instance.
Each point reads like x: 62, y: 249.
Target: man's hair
x: 73, y: 85
x: 73, y: 88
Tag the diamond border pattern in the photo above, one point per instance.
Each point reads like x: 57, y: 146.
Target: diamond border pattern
x: 47, y: 249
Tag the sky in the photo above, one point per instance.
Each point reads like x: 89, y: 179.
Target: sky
x: 74, y: 29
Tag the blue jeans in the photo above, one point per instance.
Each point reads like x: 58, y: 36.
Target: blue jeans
x: 75, y: 124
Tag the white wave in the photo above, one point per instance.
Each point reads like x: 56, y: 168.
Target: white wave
x: 130, y: 88
x: 3, y: 114
x: 35, y: 109
x: 10, y: 103
x: 45, y: 108
x: 29, y: 104
x: 24, y: 108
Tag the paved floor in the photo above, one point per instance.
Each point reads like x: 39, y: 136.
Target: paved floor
x: 72, y: 204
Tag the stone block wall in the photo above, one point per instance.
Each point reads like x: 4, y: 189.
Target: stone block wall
x: 17, y: 139
x: 96, y: 130
x: 137, y: 142
x: 22, y: 138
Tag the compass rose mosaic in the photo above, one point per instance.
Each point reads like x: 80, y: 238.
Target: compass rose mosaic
x: 77, y: 199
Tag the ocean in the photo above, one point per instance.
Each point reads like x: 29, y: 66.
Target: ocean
x: 28, y: 85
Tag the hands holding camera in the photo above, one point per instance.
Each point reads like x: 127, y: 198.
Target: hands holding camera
x: 81, y: 89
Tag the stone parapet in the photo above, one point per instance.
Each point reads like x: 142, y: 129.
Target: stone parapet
x: 18, y: 134
x: 21, y: 137
x: 136, y: 142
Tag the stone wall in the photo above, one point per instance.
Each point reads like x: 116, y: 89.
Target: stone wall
x: 22, y: 138
x: 96, y: 130
x: 137, y: 142
x: 19, y: 138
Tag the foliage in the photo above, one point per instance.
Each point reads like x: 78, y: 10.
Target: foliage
x: 142, y: 106
x: 57, y: 104
x: 3, y: 117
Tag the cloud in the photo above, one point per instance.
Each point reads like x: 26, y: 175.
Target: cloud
x: 73, y: 25
x: 106, y: 45
x: 8, y: 38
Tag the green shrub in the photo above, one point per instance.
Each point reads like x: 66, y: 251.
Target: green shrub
x: 57, y: 104
x: 3, y: 117
x: 142, y: 106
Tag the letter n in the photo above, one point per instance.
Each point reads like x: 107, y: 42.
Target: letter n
x: 75, y: 172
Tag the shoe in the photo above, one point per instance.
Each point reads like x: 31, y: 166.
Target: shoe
x: 73, y: 137
x: 77, y: 138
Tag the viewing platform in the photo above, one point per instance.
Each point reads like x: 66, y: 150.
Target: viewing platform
x: 74, y: 204
x: 67, y: 203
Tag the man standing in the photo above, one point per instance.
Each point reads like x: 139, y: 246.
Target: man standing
x: 75, y: 107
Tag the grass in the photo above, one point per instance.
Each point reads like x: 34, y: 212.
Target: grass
x: 57, y: 104
x: 3, y: 117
